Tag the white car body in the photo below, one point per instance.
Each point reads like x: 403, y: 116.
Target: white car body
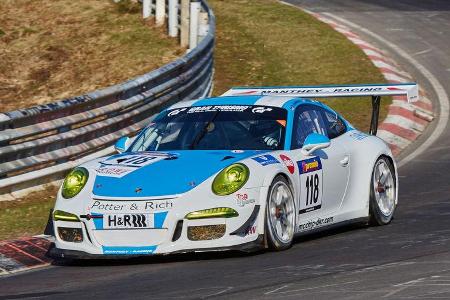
x: 344, y: 170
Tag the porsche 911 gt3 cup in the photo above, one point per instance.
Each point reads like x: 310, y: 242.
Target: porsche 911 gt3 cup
x: 247, y: 170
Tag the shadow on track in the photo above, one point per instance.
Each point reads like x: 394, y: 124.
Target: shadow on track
x: 200, y: 256
x: 154, y: 259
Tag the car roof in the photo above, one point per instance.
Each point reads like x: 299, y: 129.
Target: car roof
x: 276, y: 101
x: 286, y: 102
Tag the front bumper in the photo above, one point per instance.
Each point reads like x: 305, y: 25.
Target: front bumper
x: 170, y: 234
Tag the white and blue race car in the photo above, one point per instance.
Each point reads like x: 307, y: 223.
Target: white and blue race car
x: 247, y: 170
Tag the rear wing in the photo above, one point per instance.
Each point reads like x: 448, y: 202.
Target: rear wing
x: 410, y: 90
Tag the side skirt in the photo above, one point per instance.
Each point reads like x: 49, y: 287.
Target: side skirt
x: 352, y: 222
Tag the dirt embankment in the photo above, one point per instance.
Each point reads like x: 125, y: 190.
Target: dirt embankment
x: 61, y: 48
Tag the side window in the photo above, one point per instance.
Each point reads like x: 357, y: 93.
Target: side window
x: 307, y: 119
x: 335, y: 125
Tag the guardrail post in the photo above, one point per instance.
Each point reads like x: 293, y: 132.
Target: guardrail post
x: 193, y: 26
x: 203, y: 26
x: 146, y: 8
x: 160, y: 13
x: 173, y: 18
x: 184, y: 26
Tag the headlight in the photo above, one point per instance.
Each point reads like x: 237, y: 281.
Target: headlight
x: 217, y: 212
x: 74, y: 182
x: 59, y: 215
x: 230, y: 179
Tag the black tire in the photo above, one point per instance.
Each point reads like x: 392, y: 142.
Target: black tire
x: 272, y: 241
x: 376, y: 215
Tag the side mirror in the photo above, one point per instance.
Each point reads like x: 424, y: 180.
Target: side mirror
x: 313, y: 142
x: 122, y: 144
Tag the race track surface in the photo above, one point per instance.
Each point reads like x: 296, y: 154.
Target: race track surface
x: 409, y: 259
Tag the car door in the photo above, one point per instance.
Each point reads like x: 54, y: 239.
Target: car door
x: 323, y: 175
x: 338, y: 167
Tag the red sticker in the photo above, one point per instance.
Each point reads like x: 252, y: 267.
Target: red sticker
x: 288, y: 162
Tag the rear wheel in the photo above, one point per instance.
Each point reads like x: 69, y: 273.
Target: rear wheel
x: 383, y: 191
x: 280, y: 215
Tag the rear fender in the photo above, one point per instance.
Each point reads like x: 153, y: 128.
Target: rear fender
x: 363, y: 158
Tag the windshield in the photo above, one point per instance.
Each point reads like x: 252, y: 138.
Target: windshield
x: 221, y: 127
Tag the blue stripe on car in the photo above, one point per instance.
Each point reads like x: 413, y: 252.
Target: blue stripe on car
x: 98, y: 222
x: 159, y: 219
x: 128, y: 250
x: 169, y: 177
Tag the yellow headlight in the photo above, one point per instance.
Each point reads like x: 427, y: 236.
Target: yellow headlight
x: 217, y: 212
x: 59, y: 215
x: 230, y: 179
x: 74, y: 182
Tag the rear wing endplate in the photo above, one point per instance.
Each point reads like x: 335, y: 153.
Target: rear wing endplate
x: 410, y: 90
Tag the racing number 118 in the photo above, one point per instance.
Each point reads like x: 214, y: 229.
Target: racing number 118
x: 312, y: 189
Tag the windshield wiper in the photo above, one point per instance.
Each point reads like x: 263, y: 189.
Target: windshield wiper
x: 203, y: 132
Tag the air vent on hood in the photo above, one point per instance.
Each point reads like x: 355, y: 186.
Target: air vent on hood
x: 172, y: 157
x: 227, y: 157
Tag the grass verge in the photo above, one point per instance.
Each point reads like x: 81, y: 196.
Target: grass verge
x: 27, y: 216
x: 56, y: 49
x: 258, y: 43
x: 266, y: 43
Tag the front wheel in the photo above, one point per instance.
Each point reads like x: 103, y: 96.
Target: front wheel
x: 383, y: 192
x: 280, y: 215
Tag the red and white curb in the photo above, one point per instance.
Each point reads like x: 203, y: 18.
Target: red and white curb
x: 405, y: 121
x: 23, y: 254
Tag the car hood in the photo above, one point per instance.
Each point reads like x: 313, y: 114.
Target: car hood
x: 153, y: 174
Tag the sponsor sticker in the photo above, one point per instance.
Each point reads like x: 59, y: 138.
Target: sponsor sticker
x: 125, y: 164
x: 288, y: 163
x: 124, y: 221
x: 242, y: 200
x: 309, y: 165
x: 176, y: 111
x: 128, y: 250
x: 158, y: 205
x: 113, y: 171
x: 214, y: 108
x: 310, y: 184
x: 312, y: 224
x: 358, y: 135
x: 251, y: 230
x: 266, y: 160
x: 261, y: 109
x: 130, y: 206
x: 319, y: 90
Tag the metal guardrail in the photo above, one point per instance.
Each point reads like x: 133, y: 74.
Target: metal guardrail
x: 45, y: 140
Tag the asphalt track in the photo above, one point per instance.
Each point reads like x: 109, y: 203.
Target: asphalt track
x: 409, y: 259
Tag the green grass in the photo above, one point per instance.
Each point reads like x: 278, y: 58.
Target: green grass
x: 267, y: 43
x: 28, y: 216
x: 258, y: 43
